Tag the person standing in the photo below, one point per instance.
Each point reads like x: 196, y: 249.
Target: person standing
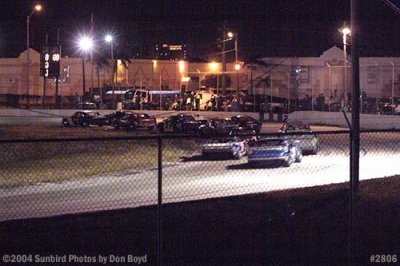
x: 189, y: 102
x: 197, y: 101
x: 78, y: 100
x: 213, y: 103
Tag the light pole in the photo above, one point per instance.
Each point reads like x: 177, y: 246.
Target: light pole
x: 232, y: 35
x: 345, y: 31
x: 36, y: 8
x: 85, y: 45
x: 237, y: 69
x: 391, y: 62
x: 109, y: 39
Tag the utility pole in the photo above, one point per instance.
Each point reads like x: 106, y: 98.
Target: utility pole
x: 355, y: 127
x: 83, y: 77
x: 223, y: 61
x: 355, y: 99
x: 237, y: 67
x: 37, y: 8
x: 57, y: 78
x: 27, y: 62
x: 91, y: 56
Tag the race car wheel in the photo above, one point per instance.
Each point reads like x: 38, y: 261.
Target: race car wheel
x: 289, y: 161
x: 65, y: 122
x: 316, y: 149
x: 237, y: 155
x: 299, y: 157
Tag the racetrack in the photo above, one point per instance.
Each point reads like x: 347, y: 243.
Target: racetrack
x: 194, y: 178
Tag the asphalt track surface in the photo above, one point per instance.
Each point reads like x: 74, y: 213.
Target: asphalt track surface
x: 194, y: 178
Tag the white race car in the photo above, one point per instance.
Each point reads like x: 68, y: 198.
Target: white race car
x: 307, y: 141
x: 225, y: 147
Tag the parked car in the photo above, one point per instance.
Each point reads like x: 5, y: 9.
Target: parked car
x: 272, y: 150
x: 117, y: 115
x: 370, y: 106
x: 114, y: 117
x: 225, y: 147
x: 386, y: 108
x: 87, y: 118
x: 246, y: 124
x: 308, y: 142
x: 87, y: 106
x: 396, y: 110
x: 132, y: 121
x: 218, y: 126
x: 183, y: 123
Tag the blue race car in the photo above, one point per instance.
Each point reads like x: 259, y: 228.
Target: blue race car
x: 272, y: 150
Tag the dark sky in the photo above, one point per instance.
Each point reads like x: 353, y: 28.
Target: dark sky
x: 265, y: 27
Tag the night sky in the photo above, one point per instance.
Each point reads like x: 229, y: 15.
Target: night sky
x: 265, y: 27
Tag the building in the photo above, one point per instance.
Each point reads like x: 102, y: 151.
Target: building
x: 296, y: 77
x: 291, y: 77
x: 173, y: 52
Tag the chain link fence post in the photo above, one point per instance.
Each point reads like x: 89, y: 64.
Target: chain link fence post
x: 159, y: 203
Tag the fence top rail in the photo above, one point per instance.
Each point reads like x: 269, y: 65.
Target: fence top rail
x: 180, y: 136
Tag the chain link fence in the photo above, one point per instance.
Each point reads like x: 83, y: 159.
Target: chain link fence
x: 194, y: 208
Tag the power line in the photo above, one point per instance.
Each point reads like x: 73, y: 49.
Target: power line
x: 392, y: 6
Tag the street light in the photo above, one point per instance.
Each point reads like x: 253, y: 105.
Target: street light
x: 109, y: 39
x: 85, y: 44
x: 37, y: 8
x: 345, y: 31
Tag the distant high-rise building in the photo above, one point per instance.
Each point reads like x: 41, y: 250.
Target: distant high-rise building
x: 171, y: 52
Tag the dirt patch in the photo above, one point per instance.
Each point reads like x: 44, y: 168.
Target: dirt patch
x: 8, y: 132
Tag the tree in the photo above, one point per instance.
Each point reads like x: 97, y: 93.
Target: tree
x: 265, y: 81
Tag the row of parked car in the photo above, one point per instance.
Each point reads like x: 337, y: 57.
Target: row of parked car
x: 121, y: 119
x: 179, y: 123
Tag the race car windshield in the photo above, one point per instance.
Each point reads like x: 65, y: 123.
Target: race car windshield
x: 267, y: 143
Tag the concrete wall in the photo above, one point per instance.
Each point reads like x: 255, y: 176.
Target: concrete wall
x: 367, y: 121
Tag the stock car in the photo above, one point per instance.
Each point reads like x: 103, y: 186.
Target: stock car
x: 117, y: 115
x: 308, y: 142
x: 87, y: 118
x: 246, y: 124
x: 225, y: 148
x: 218, y: 126
x: 182, y: 123
x: 273, y: 150
x: 132, y: 121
